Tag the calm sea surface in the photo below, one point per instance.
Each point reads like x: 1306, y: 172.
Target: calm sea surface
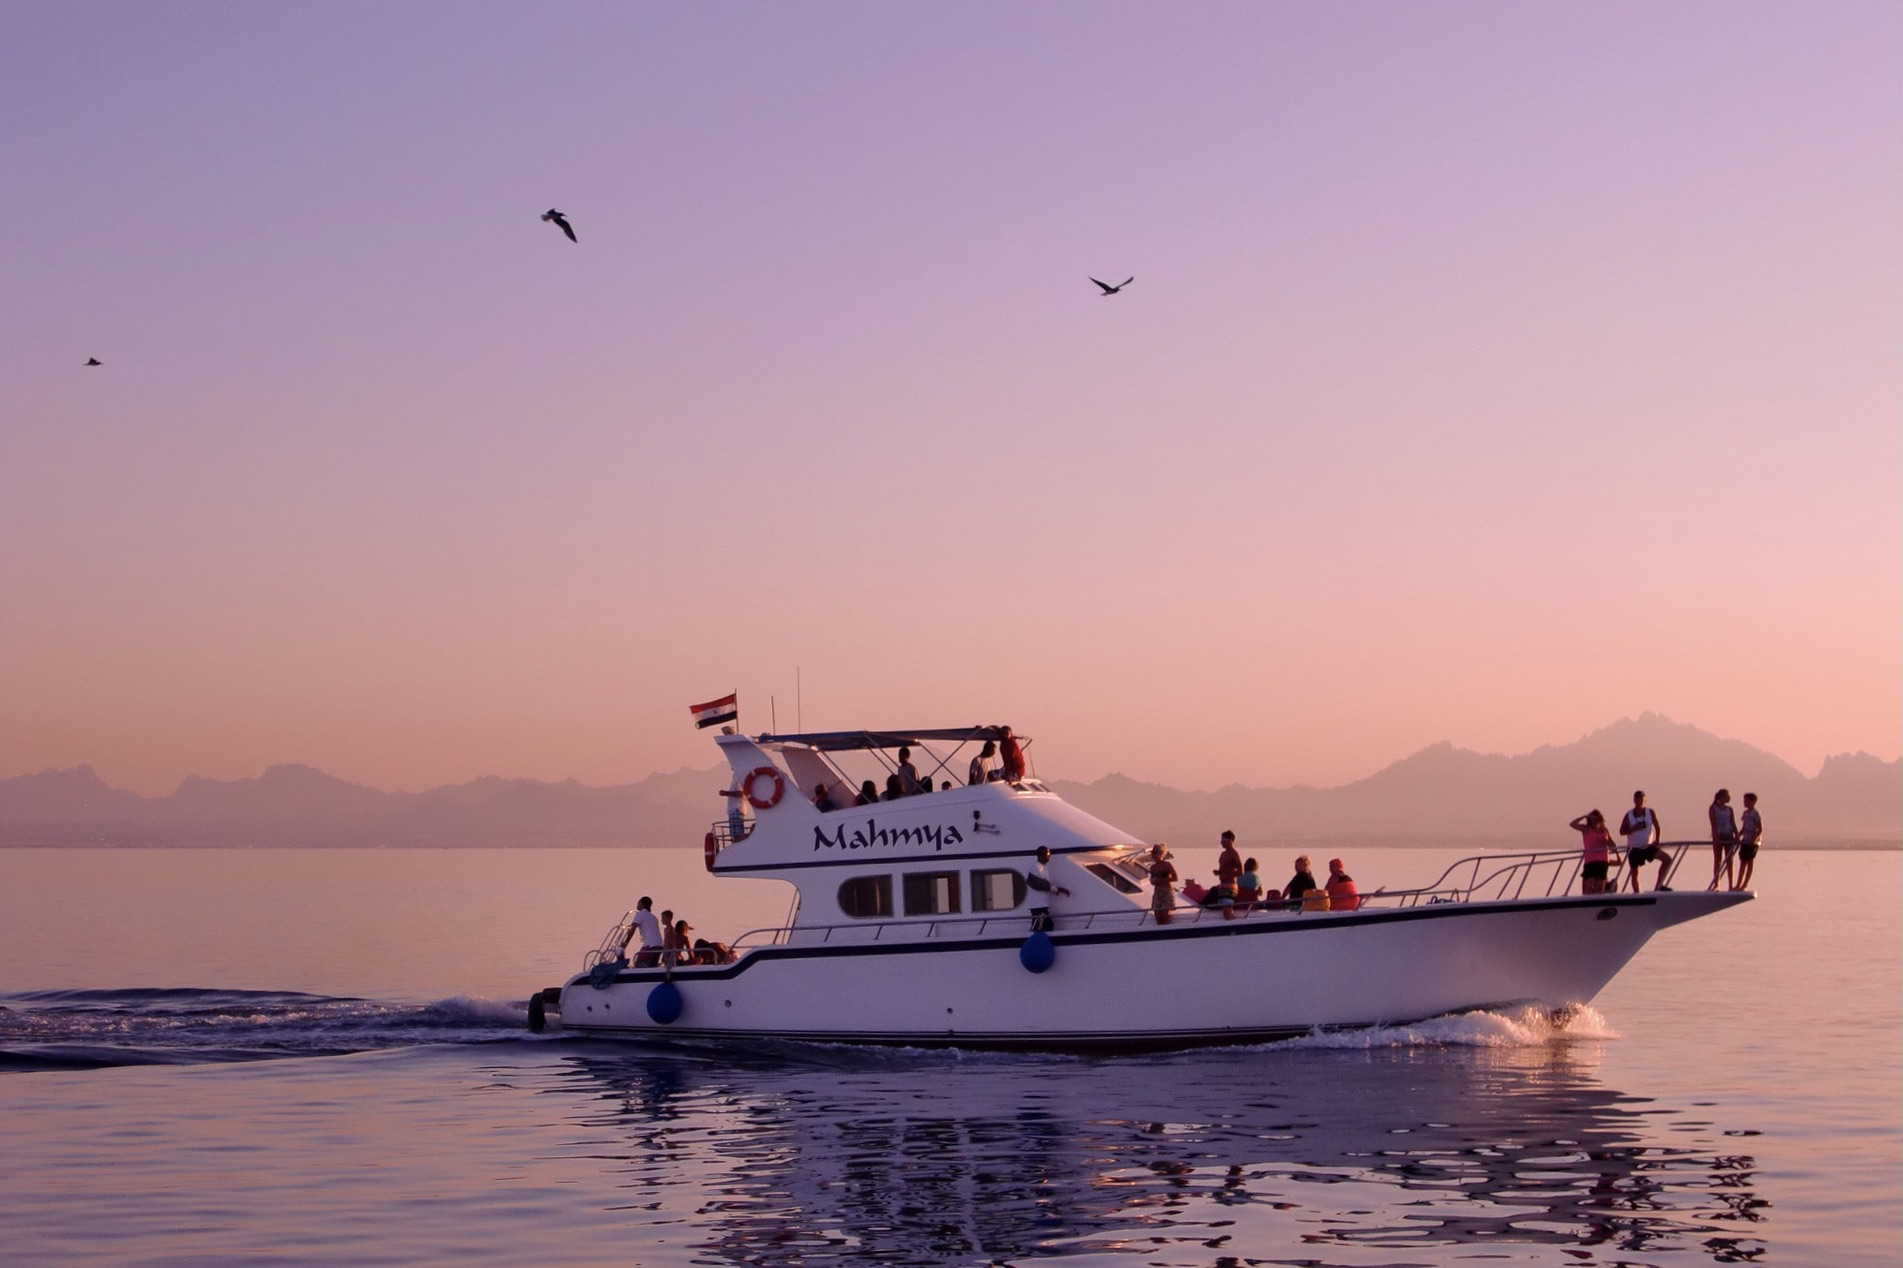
x: 285, y: 1056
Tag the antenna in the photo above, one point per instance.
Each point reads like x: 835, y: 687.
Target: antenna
x: 774, y: 706
x: 799, y: 702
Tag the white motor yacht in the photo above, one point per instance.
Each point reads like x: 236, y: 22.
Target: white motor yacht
x: 912, y: 926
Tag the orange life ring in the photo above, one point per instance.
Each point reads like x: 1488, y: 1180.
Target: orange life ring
x: 711, y: 847
x: 772, y: 799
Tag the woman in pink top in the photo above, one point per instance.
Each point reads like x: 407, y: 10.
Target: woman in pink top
x: 1596, y: 843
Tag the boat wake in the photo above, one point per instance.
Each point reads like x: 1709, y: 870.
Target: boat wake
x: 74, y: 1030
x: 1525, y: 1027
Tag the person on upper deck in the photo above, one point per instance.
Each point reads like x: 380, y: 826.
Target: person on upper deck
x: 1595, y: 843
x: 980, y: 770
x: 908, y: 775
x: 1342, y: 894
x: 1012, y: 757
x: 868, y: 794
x: 1162, y: 882
x: 892, y: 789
x: 1299, y: 884
x: 823, y: 799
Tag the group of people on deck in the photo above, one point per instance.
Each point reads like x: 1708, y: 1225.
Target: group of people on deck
x: 667, y: 941
x: 1734, y: 845
x: 1239, y: 889
x: 1001, y: 759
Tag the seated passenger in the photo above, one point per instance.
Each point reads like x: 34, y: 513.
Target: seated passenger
x: 1194, y: 891
x: 892, y: 789
x: 1296, y: 891
x: 1248, y: 886
x: 706, y: 952
x: 823, y: 799
x: 868, y: 794
x: 908, y: 775
x: 980, y: 769
x: 1342, y: 894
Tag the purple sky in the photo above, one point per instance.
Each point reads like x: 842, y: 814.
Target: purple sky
x: 1492, y: 371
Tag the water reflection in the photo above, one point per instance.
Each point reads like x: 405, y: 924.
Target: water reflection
x: 814, y: 1156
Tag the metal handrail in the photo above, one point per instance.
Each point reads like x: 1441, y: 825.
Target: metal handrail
x: 1477, y: 878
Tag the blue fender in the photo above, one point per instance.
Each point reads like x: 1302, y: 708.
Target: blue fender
x: 1037, y: 953
x: 665, y: 1003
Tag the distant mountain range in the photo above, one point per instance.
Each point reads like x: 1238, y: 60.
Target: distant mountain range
x: 1440, y: 795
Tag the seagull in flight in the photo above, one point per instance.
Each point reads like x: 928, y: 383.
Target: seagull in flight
x: 560, y: 221
x: 1108, y: 289
x: 94, y: 361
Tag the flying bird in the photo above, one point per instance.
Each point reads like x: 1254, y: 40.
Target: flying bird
x: 560, y: 221
x: 1108, y: 289
x: 94, y: 361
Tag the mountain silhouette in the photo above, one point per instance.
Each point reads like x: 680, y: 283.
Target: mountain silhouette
x: 1437, y: 796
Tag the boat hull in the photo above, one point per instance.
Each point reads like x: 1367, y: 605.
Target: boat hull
x: 1204, y: 982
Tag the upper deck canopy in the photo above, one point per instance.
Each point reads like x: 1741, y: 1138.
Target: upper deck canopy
x: 837, y: 741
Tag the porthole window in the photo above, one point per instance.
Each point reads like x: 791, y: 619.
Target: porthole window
x: 931, y: 893
x: 866, y: 897
x: 996, y: 891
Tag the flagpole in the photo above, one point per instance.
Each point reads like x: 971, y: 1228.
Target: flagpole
x: 799, y: 702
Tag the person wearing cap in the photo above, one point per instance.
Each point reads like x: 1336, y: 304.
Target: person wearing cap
x: 1162, y: 882
x: 1342, y: 894
x: 1642, y: 833
x: 1039, y: 883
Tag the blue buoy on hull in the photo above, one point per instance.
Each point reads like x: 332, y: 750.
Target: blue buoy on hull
x: 665, y: 1003
x: 1038, y: 952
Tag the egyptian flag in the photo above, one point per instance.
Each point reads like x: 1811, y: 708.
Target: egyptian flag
x: 714, y: 712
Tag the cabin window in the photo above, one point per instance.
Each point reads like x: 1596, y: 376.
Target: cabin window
x: 996, y: 891
x: 866, y: 897
x: 1111, y: 876
x: 931, y: 893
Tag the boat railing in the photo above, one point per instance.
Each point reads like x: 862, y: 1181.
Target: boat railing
x: 1475, y: 879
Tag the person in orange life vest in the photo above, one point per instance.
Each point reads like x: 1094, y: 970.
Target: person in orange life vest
x: 1342, y: 894
x: 1596, y: 844
x: 1011, y: 757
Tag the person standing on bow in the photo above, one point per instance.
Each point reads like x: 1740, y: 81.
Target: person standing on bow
x: 1642, y: 834
x: 1162, y: 883
x: 1724, y: 837
x: 1750, y: 833
x: 1039, y: 883
x: 1596, y: 851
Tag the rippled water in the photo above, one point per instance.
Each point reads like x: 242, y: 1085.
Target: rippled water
x: 1734, y: 1097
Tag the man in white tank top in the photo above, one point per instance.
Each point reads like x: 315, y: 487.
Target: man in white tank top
x: 1642, y: 834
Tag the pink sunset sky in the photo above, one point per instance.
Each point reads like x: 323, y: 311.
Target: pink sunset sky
x: 1491, y: 372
